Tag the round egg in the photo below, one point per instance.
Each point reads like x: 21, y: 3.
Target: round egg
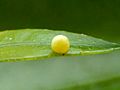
x: 60, y: 44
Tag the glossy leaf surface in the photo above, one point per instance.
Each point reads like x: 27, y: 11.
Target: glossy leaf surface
x: 35, y: 44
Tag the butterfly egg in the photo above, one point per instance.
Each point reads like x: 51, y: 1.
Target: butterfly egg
x: 60, y: 44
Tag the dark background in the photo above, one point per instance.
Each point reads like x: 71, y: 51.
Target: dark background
x: 99, y: 18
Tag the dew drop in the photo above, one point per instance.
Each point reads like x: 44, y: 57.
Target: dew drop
x: 10, y: 38
x: 83, y: 35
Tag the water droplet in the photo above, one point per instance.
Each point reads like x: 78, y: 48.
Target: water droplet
x: 10, y: 38
x: 83, y: 35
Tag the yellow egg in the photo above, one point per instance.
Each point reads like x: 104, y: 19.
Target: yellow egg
x: 60, y: 44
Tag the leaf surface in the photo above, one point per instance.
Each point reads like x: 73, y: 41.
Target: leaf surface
x: 92, y: 72
x: 99, y: 71
x: 34, y: 44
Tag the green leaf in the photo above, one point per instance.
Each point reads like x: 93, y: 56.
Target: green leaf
x: 34, y: 44
x: 100, y: 71
x: 92, y: 72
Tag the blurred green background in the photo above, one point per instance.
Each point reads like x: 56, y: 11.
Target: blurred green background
x: 99, y: 18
